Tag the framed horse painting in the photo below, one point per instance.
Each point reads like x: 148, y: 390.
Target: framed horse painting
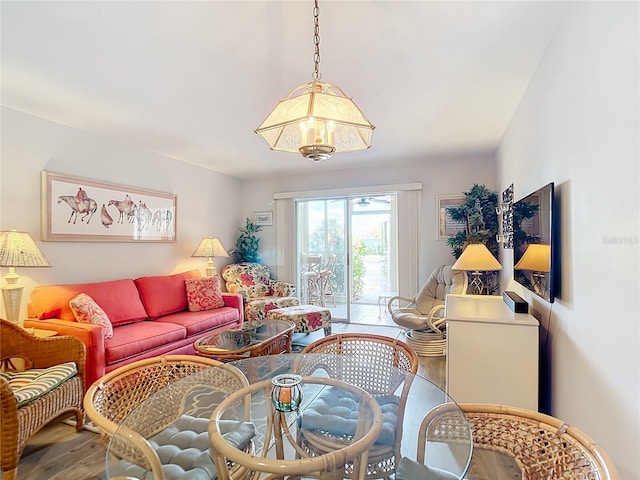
x: 78, y: 209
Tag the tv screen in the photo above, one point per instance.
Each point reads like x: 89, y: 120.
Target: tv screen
x: 533, y: 242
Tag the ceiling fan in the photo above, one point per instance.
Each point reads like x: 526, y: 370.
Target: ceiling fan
x: 365, y: 201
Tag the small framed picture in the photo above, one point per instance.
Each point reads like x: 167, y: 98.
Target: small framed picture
x: 447, y: 226
x: 263, y: 218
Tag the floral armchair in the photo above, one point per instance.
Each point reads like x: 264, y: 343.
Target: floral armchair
x: 260, y: 293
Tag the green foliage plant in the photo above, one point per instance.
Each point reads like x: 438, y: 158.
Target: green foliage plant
x: 248, y: 243
x: 359, y: 269
x: 478, y: 212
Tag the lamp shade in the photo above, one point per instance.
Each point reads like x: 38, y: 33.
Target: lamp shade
x: 537, y: 258
x: 477, y: 257
x: 210, y: 247
x: 17, y: 249
x: 316, y: 114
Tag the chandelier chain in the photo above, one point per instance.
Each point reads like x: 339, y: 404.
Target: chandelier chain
x: 316, y: 41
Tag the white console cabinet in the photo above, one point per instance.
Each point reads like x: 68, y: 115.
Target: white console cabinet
x: 492, y: 352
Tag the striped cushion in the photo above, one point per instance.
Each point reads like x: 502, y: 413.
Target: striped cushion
x: 32, y: 384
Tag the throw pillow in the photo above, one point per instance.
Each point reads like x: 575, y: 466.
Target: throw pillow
x: 204, y: 293
x: 86, y: 310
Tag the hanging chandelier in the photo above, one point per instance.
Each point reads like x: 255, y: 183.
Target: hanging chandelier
x: 316, y: 119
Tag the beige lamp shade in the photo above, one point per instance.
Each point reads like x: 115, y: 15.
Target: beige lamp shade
x: 210, y: 247
x: 477, y: 257
x: 17, y: 249
x: 316, y: 119
x: 536, y: 258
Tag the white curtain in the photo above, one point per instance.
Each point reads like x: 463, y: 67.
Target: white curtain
x: 286, y: 240
x: 409, y: 202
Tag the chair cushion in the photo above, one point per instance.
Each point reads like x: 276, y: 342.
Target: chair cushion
x: 184, y: 449
x: 32, y: 384
x: 335, y: 411
x: 251, y: 280
x: 410, y: 470
x: 86, y: 310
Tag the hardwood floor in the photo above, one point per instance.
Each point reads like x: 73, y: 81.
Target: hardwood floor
x: 58, y: 452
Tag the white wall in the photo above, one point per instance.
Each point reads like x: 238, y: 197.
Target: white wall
x: 444, y: 175
x: 577, y: 125
x: 208, y: 203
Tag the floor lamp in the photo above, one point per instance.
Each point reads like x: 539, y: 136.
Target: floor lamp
x: 210, y: 247
x: 477, y: 259
x: 17, y: 249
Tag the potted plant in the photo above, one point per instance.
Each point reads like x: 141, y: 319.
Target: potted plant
x: 478, y: 212
x: 247, y: 243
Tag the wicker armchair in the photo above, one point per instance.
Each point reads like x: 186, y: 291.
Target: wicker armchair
x: 116, y: 395
x: 383, y: 355
x: 19, y: 424
x: 544, y: 447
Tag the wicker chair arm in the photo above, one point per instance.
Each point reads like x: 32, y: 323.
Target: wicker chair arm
x: 410, y: 301
x: 434, y: 320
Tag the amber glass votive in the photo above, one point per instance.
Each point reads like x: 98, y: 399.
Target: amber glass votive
x: 286, y: 394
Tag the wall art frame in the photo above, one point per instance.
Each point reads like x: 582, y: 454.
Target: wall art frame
x: 263, y: 218
x: 76, y: 209
x: 447, y: 226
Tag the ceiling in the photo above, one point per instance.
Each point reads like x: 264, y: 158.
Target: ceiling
x: 192, y: 79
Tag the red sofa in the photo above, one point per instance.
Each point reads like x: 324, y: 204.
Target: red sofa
x: 150, y: 317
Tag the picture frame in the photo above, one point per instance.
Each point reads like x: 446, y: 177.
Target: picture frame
x: 76, y: 209
x: 263, y: 218
x: 447, y: 226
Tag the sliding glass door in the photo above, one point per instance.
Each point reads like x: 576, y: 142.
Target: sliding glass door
x: 347, y: 254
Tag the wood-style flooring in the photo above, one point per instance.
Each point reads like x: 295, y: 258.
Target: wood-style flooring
x: 58, y: 452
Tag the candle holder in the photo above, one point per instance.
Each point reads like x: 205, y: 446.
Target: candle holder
x: 286, y: 394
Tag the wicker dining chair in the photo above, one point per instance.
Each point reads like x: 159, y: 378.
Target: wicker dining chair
x: 543, y: 447
x: 20, y: 423
x: 388, y: 363
x: 116, y: 395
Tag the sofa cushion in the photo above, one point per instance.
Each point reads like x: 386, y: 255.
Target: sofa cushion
x: 118, y: 298
x: 137, y: 338
x: 164, y: 294
x: 29, y: 385
x: 197, y: 322
x: 204, y: 293
x: 86, y: 310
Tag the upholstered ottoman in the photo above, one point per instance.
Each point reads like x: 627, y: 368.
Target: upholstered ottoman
x: 308, y: 318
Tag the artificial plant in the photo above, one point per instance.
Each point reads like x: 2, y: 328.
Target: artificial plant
x: 248, y: 243
x: 478, y: 212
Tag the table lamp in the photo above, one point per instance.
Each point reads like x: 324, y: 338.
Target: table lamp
x: 537, y: 260
x: 477, y: 259
x: 17, y: 249
x: 210, y: 247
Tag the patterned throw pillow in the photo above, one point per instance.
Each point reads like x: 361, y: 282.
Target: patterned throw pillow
x: 86, y: 310
x: 204, y: 293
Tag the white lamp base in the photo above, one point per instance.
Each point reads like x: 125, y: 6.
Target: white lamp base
x: 12, y: 296
x: 211, y: 270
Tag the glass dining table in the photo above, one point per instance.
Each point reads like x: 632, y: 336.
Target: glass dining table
x: 202, y: 425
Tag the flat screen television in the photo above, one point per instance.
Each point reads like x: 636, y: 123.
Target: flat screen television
x: 534, y: 245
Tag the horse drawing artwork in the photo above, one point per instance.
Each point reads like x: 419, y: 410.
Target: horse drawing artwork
x: 143, y: 216
x: 162, y: 219
x: 125, y: 207
x: 85, y: 207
